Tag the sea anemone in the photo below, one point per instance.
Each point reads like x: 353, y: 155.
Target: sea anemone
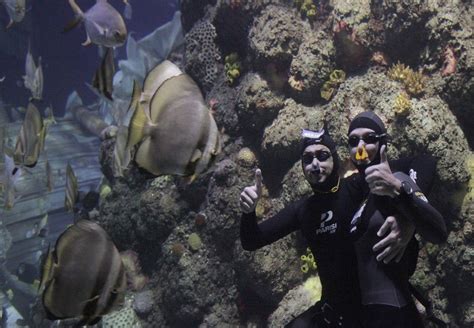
x: 402, y: 104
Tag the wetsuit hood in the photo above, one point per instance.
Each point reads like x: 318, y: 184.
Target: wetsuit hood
x: 372, y: 121
x: 322, y: 137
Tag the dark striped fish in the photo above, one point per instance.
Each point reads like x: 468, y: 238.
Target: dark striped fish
x: 71, y: 189
x: 83, y: 277
x: 103, y: 77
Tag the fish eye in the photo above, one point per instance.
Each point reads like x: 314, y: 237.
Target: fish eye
x: 117, y: 35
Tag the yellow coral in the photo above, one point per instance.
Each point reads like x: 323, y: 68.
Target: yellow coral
x: 415, y: 83
x: 399, y: 72
x: 327, y: 90
x: 246, y: 157
x: 337, y: 76
x: 402, y: 104
x: 232, y: 67
x: 308, y: 261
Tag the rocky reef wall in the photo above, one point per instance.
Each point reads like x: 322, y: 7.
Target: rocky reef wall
x: 187, y: 235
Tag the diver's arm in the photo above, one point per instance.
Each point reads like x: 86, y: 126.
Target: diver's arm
x: 255, y: 235
x: 414, y: 205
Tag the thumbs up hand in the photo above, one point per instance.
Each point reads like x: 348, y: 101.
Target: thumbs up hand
x: 380, y: 179
x: 250, y: 196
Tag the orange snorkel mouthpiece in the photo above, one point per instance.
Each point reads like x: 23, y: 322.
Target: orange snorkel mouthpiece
x: 361, y: 154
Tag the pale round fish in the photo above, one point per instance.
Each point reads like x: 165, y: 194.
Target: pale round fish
x: 179, y: 136
x: 103, y: 23
x: 176, y: 129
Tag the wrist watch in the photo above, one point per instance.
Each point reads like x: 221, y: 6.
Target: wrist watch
x: 406, y: 192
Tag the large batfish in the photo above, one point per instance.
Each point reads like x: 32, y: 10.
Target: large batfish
x: 176, y: 131
x: 83, y: 276
x: 104, y: 24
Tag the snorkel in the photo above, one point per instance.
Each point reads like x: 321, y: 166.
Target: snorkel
x: 371, y: 121
x: 309, y: 137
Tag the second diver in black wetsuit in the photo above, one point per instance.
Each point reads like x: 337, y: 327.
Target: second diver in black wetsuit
x: 318, y: 217
x: 385, y: 293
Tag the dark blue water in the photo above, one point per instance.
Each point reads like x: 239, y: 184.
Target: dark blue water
x: 67, y: 65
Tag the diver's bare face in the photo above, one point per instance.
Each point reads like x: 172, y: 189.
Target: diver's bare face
x: 317, y: 163
x: 363, y: 145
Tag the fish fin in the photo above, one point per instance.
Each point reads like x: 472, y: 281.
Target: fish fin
x: 72, y: 24
x: 46, y: 269
x: 139, y: 120
x: 87, y: 42
x: 196, y: 156
x: 189, y: 179
x: 77, y: 10
x: 127, y: 12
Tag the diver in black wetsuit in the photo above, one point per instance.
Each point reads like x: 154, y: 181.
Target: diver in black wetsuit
x: 318, y: 217
x: 385, y: 294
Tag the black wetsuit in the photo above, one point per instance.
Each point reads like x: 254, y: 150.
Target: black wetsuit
x: 317, y: 217
x: 385, y: 293
x: 324, y: 220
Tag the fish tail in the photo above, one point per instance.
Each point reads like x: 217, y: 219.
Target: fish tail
x: 77, y: 20
x: 77, y: 10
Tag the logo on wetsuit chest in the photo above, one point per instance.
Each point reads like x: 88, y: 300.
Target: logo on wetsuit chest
x: 326, y: 226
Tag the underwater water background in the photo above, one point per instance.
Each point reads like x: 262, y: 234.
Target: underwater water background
x: 260, y: 71
x: 67, y: 64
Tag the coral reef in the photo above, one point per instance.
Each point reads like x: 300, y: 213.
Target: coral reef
x: 276, y: 35
x: 202, y: 54
x: 287, y: 61
x: 311, y: 66
x: 256, y: 104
